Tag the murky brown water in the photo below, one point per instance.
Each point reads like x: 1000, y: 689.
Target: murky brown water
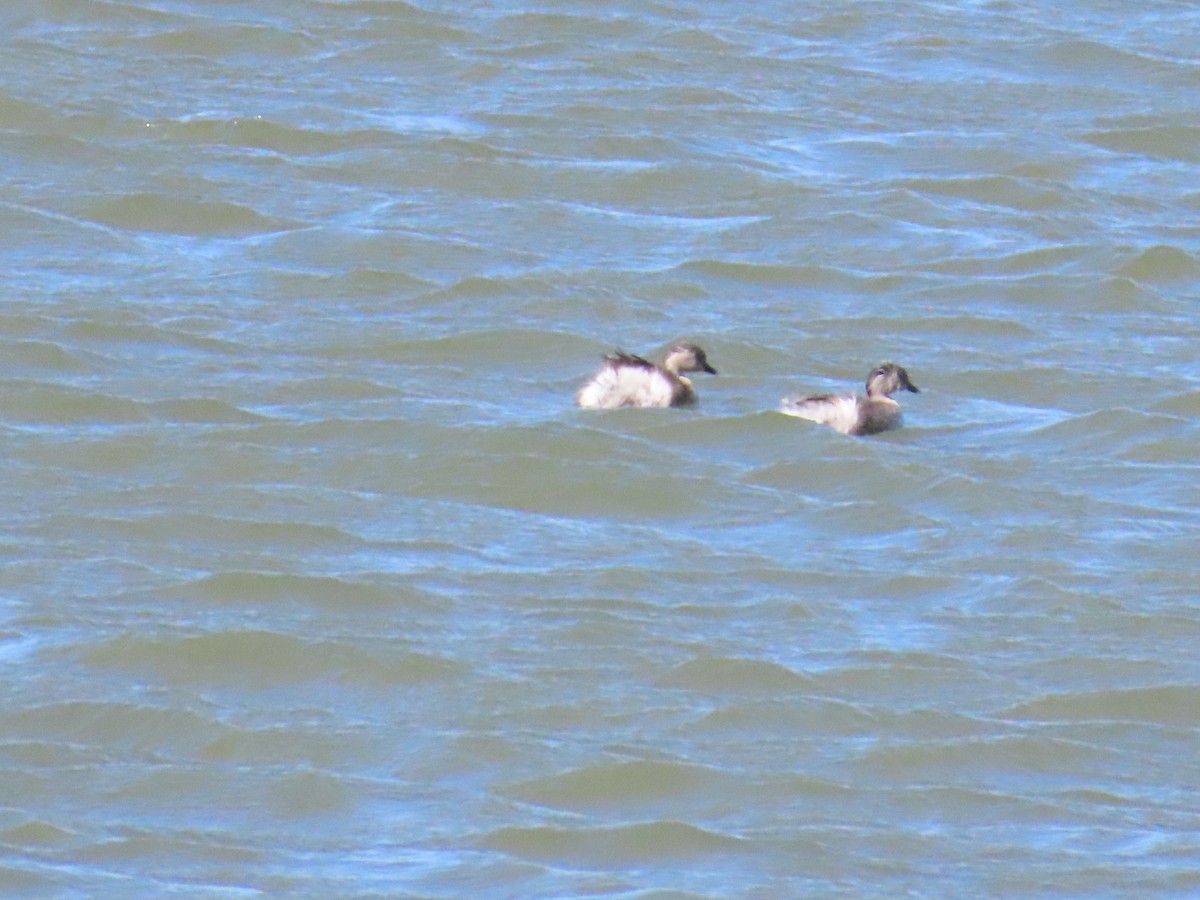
x: 315, y: 582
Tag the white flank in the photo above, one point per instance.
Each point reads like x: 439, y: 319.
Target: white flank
x: 839, y: 413
x: 618, y: 385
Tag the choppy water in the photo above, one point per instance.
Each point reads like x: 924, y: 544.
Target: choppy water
x: 315, y: 582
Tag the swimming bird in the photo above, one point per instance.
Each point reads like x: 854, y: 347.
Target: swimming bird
x: 849, y: 414
x: 628, y: 380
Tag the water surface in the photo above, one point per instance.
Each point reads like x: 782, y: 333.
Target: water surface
x: 317, y: 583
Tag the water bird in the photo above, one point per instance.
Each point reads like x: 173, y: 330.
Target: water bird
x: 628, y: 380
x: 852, y: 414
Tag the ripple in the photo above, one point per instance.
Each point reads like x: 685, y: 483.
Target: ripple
x: 1098, y: 57
x: 258, y: 133
x: 946, y: 761
x: 264, y: 659
x: 1180, y: 142
x: 782, y: 719
x: 1019, y: 264
x: 308, y: 793
x: 497, y: 347
x: 772, y: 274
x: 412, y: 123
x: 22, y: 881
x: 115, y: 331
x: 36, y: 833
x: 620, y: 785
x: 1173, y: 704
x: 46, y: 356
x: 164, y: 214
x: 219, y: 41
x: 202, y: 410
x: 1161, y: 263
x: 119, y: 726
x: 1110, y: 430
x: 1183, y: 404
x: 136, y: 847
x: 735, y: 676
x: 991, y: 190
x: 549, y: 484
x: 555, y: 25
x: 264, y: 587
x: 626, y: 846
x: 714, y: 224
x: 22, y: 115
x: 327, y: 388
x: 44, y: 404
x: 280, y: 745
